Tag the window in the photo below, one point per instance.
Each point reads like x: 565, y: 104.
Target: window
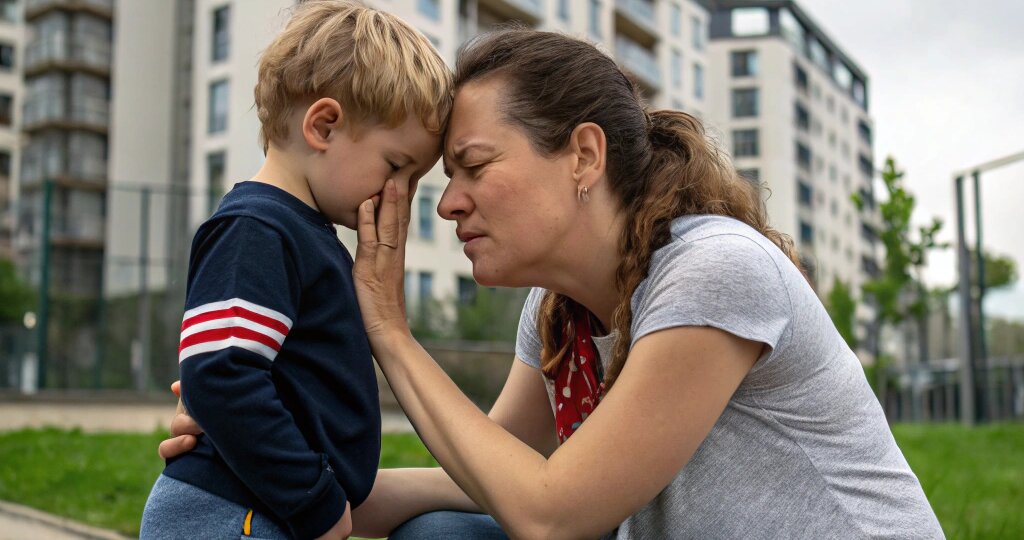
x: 431, y: 9
x: 749, y: 21
x: 9, y: 10
x: 806, y: 233
x: 6, y: 57
x: 426, y: 286
x: 744, y: 63
x: 698, y: 81
x: 791, y: 29
x: 865, y: 132
x: 221, y: 33
x: 842, y: 75
x: 5, y: 164
x: 805, y: 194
x: 744, y: 143
x: 802, y: 117
x: 677, y: 68
x: 860, y: 94
x: 697, y: 29
x: 467, y: 290
x: 834, y: 207
x: 818, y: 54
x: 744, y: 102
x: 677, y: 105
x: 830, y: 104
x: 563, y: 11
x: 833, y: 173
x: 677, y: 20
x: 803, y: 156
x: 408, y: 286
x: 751, y: 175
x: 218, y: 117
x: 426, y: 213
x: 866, y: 167
x: 800, y: 78
x: 595, y: 18
x: 6, y: 109
x: 216, y: 165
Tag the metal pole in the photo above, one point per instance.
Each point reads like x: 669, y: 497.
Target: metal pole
x: 985, y: 384
x: 44, y: 285
x: 966, y: 348
x: 142, y: 382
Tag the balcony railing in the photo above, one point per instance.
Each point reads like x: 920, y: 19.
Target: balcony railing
x: 640, y: 11
x: 101, y: 6
x: 638, y: 60
x: 90, y: 52
x: 90, y: 111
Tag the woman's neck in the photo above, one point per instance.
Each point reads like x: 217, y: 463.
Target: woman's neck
x: 588, y: 272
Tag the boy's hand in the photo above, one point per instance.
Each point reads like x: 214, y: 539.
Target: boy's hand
x: 183, y: 430
x: 342, y: 528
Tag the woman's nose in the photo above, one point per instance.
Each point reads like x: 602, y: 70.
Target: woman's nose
x: 455, y: 202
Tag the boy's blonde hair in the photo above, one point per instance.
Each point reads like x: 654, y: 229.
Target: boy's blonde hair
x: 378, y: 67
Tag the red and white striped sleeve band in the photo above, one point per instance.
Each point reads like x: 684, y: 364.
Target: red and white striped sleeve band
x: 232, y: 323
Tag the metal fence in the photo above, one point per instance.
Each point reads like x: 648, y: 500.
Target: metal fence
x: 932, y: 392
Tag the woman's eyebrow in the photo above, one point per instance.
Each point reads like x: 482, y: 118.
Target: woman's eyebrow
x: 460, y: 150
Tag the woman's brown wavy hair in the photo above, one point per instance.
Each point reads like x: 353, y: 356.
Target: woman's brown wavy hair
x: 660, y: 164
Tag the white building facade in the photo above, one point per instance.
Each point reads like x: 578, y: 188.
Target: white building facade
x: 793, y: 111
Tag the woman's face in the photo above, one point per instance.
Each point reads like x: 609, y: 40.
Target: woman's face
x: 513, y: 206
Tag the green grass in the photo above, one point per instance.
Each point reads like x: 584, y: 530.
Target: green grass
x: 973, y: 478
x: 104, y: 479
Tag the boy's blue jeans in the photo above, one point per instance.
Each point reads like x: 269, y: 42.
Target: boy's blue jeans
x: 178, y: 510
x: 445, y: 525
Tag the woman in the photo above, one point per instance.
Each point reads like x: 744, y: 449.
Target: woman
x: 675, y: 374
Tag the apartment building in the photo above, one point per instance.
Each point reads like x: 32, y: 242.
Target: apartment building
x: 793, y: 110
x: 65, y: 118
x: 11, y: 57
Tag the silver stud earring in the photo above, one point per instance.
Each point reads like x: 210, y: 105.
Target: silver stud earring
x: 583, y: 193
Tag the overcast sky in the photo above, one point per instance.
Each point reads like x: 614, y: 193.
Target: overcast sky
x: 946, y: 92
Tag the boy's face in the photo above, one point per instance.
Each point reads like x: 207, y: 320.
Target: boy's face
x: 358, y: 162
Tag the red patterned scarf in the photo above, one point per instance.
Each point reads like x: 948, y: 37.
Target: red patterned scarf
x: 578, y: 386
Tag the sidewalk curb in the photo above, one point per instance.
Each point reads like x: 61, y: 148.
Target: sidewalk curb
x: 16, y: 511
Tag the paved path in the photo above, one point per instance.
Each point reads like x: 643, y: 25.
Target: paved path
x: 23, y: 523
x: 132, y: 417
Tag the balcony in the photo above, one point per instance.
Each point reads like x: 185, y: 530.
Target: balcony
x: 68, y: 53
x: 527, y: 11
x: 638, y: 60
x: 636, y: 18
x: 88, y: 113
x: 99, y: 8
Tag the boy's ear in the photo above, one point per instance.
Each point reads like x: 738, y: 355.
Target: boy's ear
x: 323, y: 118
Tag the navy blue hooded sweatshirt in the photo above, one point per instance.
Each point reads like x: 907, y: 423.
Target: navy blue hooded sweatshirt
x: 275, y: 364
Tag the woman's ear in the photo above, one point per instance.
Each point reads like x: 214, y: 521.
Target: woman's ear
x: 322, y: 118
x: 588, y: 144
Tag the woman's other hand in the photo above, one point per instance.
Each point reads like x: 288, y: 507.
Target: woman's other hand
x: 183, y: 430
x: 379, y: 271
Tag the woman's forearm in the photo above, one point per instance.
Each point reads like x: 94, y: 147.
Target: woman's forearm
x: 401, y: 494
x: 493, y: 467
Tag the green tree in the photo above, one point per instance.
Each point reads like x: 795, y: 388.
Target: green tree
x: 16, y: 297
x: 895, y: 292
x: 842, y: 307
x: 492, y: 315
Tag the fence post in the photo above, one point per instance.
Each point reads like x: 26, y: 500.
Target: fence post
x: 142, y: 376
x: 42, y: 333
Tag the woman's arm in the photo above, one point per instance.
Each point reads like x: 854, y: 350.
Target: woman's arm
x: 669, y: 395
x: 674, y: 387
x: 522, y: 409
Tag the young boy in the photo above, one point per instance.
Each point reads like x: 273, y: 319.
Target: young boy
x: 274, y: 361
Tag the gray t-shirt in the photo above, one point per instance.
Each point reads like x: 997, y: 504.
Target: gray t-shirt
x: 803, y: 449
